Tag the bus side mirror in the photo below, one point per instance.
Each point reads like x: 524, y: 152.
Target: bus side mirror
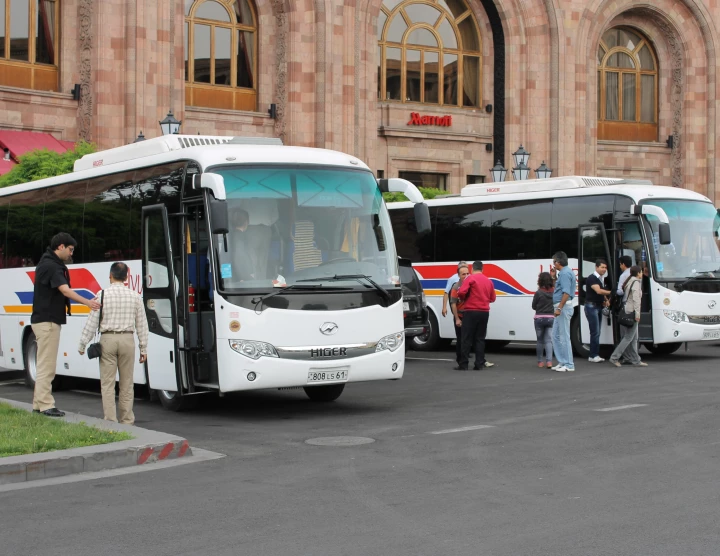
x: 664, y: 233
x: 422, y: 218
x: 219, y: 216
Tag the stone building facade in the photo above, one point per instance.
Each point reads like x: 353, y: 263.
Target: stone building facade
x: 567, y: 79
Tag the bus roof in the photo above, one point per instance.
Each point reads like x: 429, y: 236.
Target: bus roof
x: 205, y: 150
x: 567, y: 186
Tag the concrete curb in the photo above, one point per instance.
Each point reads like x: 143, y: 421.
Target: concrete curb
x: 145, y: 447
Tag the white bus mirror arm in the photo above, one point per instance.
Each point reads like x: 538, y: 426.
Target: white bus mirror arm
x: 399, y: 185
x: 215, y: 183
x: 652, y: 210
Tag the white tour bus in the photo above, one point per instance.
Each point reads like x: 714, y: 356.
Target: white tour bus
x: 515, y: 227
x: 260, y: 265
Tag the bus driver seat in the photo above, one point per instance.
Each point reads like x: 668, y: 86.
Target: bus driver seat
x: 303, y: 251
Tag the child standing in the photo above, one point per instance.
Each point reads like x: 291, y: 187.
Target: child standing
x: 544, y: 317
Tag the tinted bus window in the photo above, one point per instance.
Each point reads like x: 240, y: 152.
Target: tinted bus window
x: 411, y: 245
x: 570, y: 212
x: 521, y: 230
x: 64, y: 206
x: 4, y: 206
x: 463, y: 233
x: 106, y: 226
x: 24, y: 229
x: 154, y: 186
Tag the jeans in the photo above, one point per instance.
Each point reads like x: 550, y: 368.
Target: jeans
x: 474, y: 330
x: 543, y: 331
x: 628, y: 346
x: 593, y: 312
x: 561, y: 336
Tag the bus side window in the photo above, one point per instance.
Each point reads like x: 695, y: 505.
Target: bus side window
x: 419, y: 248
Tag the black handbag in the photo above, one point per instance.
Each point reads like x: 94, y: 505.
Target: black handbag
x: 94, y: 350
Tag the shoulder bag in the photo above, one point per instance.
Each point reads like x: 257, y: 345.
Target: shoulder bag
x: 94, y: 350
x: 624, y: 318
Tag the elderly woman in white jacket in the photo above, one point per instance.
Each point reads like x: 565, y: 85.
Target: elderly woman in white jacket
x: 628, y: 346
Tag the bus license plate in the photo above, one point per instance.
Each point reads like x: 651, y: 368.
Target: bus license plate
x: 711, y: 334
x: 406, y: 305
x: 327, y: 376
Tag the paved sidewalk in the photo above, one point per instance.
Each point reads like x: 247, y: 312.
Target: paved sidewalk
x: 145, y: 447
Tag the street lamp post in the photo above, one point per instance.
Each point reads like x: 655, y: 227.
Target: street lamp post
x: 170, y: 125
x: 543, y: 172
x: 139, y: 138
x: 521, y: 170
x: 498, y: 172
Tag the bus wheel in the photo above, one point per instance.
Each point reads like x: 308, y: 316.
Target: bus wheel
x: 430, y: 340
x: 30, y: 360
x: 580, y: 349
x: 172, y: 401
x: 663, y: 349
x: 328, y: 393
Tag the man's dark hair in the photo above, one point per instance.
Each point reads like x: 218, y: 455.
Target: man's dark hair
x: 635, y: 270
x: 545, y: 280
x: 119, y: 272
x: 626, y: 260
x: 600, y: 262
x: 477, y: 266
x: 62, y: 238
x: 240, y: 218
x: 561, y: 258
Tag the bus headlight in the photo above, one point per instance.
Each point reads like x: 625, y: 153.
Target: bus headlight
x: 391, y: 342
x: 676, y: 316
x: 253, y: 349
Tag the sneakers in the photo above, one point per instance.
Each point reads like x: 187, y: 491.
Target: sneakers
x: 559, y: 368
x: 569, y: 370
x: 596, y: 359
x: 487, y: 364
x: 641, y: 364
x: 616, y: 363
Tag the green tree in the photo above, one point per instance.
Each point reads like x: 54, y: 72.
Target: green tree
x: 427, y: 193
x: 43, y: 163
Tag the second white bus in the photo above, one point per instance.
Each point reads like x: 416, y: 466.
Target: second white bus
x: 515, y: 227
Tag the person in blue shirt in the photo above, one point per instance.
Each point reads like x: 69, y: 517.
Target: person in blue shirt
x: 565, y: 288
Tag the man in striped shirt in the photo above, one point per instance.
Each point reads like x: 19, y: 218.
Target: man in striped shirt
x: 123, y: 314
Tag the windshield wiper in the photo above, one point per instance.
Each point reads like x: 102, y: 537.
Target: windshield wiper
x: 358, y: 278
x: 259, y: 300
x: 699, y: 278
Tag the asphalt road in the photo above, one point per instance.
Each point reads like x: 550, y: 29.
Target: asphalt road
x: 512, y: 461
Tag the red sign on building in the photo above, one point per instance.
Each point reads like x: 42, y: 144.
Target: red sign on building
x: 417, y: 119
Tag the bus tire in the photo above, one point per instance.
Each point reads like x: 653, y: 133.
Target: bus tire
x: 327, y: 393
x: 429, y: 341
x: 579, y: 349
x: 662, y: 349
x: 172, y: 402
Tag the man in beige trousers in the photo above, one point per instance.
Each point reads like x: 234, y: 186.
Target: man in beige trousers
x: 51, y: 303
x: 123, y: 314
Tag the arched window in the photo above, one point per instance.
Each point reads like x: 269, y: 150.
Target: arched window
x: 221, y: 54
x: 627, y: 87
x: 29, y: 44
x: 430, y: 52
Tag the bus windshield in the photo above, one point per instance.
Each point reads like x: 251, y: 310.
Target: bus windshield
x: 298, y: 224
x: 694, y: 251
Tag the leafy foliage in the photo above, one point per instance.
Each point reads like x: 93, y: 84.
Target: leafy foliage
x: 43, y: 163
x: 427, y: 193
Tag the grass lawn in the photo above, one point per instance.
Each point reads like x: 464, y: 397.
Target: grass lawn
x: 22, y: 432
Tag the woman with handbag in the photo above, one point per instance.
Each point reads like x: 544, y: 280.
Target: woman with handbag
x: 629, y: 320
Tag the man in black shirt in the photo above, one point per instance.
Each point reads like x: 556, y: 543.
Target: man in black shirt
x: 595, y: 300
x: 51, y: 301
